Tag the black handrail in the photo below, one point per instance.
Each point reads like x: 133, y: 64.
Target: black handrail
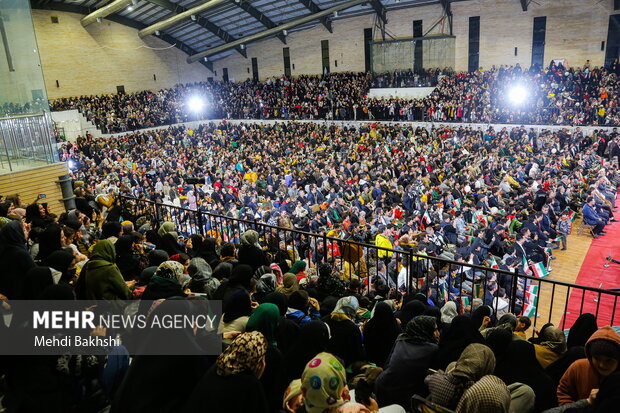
x: 203, y: 219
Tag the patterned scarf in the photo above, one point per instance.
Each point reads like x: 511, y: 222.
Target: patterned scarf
x: 244, y: 353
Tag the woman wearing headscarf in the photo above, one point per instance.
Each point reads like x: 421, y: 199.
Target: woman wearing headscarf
x: 265, y: 283
x: 413, y: 354
x: 459, y: 334
x: 328, y: 284
x: 101, y: 278
x: 129, y: 263
x: 167, y: 228
x: 288, y: 330
x: 62, y: 266
x: 346, y: 338
x: 155, y: 383
x: 35, y: 215
x: 202, y: 280
x: 237, y: 308
x: 265, y: 319
x: 290, y: 284
x: 15, y: 259
x: 299, y: 269
x: 194, y: 245
x: 448, y: 312
x: 169, y: 243
x: 250, y: 251
x: 446, y: 389
x: 324, y: 387
x: 487, y: 395
x: 380, y: 333
x: 50, y: 240
x: 498, y: 340
x: 552, y: 346
x: 312, y: 339
x: 478, y: 316
x: 166, y: 282
x: 208, y: 252
x: 240, y: 277
x: 582, y: 330
x: 520, y: 366
x: 233, y: 384
x: 48, y: 383
x: 410, y: 310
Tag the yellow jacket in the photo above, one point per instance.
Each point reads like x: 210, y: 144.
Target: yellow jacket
x: 383, y: 242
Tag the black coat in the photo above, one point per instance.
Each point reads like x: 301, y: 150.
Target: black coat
x: 346, y: 341
x: 241, y: 392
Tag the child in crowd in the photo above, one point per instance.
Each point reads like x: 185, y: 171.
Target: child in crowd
x: 564, y: 228
x: 523, y: 324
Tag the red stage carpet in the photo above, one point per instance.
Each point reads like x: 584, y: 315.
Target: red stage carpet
x: 593, y: 273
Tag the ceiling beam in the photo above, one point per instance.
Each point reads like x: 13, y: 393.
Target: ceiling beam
x: 104, y: 11
x: 380, y: 10
x: 447, y: 9
x: 72, y: 8
x: 261, y: 17
x: 524, y: 4
x: 310, y: 5
x: 202, y: 22
x: 270, y: 32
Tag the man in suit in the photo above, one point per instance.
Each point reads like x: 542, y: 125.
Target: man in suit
x: 591, y: 217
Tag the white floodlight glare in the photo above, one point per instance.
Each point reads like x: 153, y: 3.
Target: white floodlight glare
x: 195, y: 104
x: 517, y: 95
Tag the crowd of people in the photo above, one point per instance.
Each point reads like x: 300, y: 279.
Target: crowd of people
x: 553, y: 96
x: 313, y: 322
x: 296, y: 337
x: 475, y: 196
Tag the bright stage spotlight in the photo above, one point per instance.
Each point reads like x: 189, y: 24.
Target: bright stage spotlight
x: 517, y: 95
x: 195, y: 104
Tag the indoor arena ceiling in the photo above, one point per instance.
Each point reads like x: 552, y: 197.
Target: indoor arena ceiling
x: 224, y: 27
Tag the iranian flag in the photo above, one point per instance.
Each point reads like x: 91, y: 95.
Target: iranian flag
x: 493, y: 263
x: 482, y: 219
x: 457, y: 204
x: 529, y: 310
x: 571, y: 215
x: 539, y: 270
x: 464, y: 302
x: 532, y: 289
x: 478, y: 291
x: 526, y: 268
x: 443, y: 289
x: 426, y: 217
x: 531, y: 298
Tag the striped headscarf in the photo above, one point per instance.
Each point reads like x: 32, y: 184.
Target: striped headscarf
x: 487, y: 395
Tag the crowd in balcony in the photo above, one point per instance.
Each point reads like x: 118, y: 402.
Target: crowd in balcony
x: 554, y: 96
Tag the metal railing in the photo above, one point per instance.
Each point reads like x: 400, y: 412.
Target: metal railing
x: 431, y: 275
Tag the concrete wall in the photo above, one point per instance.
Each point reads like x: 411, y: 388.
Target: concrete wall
x: 95, y: 59
x: 102, y: 56
x: 575, y: 30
